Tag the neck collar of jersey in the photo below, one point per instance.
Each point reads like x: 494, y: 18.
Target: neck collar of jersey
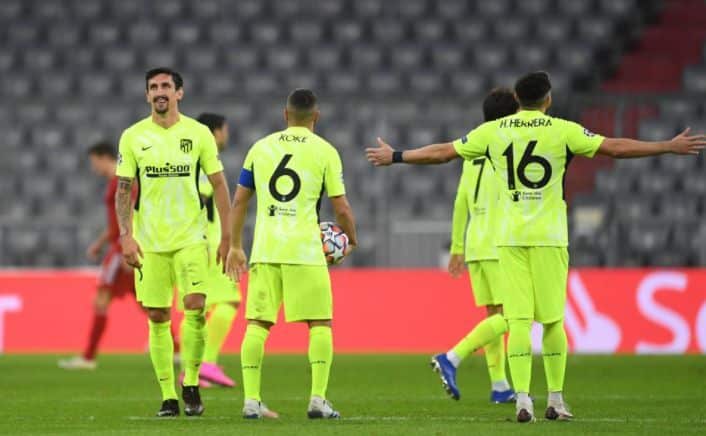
x: 530, y: 113
x: 179, y: 118
x: 298, y: 129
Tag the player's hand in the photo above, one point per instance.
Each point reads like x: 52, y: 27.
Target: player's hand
x: 222, y: 253
x: 236, y: 264
x: 380, y: 156
x: 131, y: 251
x: 94, y: 250
x: 685, y: 144
x: 349, y: 249
x: 456, y: 265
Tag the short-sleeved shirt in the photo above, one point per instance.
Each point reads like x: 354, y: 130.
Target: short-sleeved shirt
x: 530, y: 152
x: 477, y: 195
x: 166, y: 163
x: 291, y: 169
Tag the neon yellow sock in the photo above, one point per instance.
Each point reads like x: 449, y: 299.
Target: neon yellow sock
x: 162, y: 355
x: 219, y: 323
x: 495, y: 359
x: 519, y: 353
x: 193, y: 341
x: 320, y: 358
x: 554, y: 350
x: 252, y: 352
x: 482, y: 334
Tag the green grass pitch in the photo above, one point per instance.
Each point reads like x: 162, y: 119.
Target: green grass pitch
x: 376, y: 394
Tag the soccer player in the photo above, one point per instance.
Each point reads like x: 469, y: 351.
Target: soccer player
x: 478, y: 195
x: 168, y: 242
x: 530, y: 151
x: 224, y: 295
x: 116, y: 278
x: 289, y: 171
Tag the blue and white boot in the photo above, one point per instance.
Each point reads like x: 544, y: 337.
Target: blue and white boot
x: 447, y: 371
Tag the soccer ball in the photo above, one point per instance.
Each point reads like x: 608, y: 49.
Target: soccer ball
x: 334, y: 241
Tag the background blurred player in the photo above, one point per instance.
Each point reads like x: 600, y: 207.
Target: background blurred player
x: 223, y: 294
x: 115, y: 279
x: 165, y: 152
x: 289, y: 171
x: 478, y: 195
x: 530, y: 152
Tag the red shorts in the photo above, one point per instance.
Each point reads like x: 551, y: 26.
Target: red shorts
x: 112, y: 275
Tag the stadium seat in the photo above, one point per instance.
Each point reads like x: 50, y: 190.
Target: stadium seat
x: 407, y: 57
x: 104, y: 33
x: 184, y: 33
x: 493, y: 9
x: 448, y: 57
x: 306, y: 32
x: 656, y: 130
x: 265, y: 32
x: 511, y: 29
x: 388, y: 31
x: 366, y: 57
x: 225, y: 34
x: 22, y: 34
x: 431, y: 31
x: 347, y: 31
x: 648, y: 236
x: 325, y: 58
x: 656, y: 183
x: 554, y: 30
x: 677, y: 109
x: 470, y: 31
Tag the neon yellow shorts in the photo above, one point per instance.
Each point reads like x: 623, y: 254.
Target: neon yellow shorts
x: 534, y: 282
x: 305, y: 291
x: 221, y: 289
x: 185, y: 269
x: 486, y: 281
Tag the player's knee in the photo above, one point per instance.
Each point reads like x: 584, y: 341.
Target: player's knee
x: 194, y: 301
x: 319, y: 323
x: 158, y: 314
x: 102, y: 301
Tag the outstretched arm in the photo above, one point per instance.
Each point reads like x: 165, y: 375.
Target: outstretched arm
x: 623, y: 148
x: 433, y: 154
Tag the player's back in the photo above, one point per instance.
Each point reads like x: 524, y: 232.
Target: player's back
x: 530, y: 152
x: 291, y: 170
x: 481, y: 197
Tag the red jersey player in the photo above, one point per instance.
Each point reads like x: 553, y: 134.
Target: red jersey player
x: 116, y: 278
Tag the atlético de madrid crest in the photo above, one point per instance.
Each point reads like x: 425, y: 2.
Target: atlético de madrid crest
x: 186, y: 145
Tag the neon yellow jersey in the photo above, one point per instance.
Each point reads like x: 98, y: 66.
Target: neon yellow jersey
x: 530, y: 152
x: 478, y: 195
x: 291, y: 170
x: 167, y: 163
x: 213, y: 232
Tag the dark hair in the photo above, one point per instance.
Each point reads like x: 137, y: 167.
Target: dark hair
x: 212, y: 121
x: 103, y: 148
x: 302, y: 100
x: 532, y: 89
x: 176, y: 77
x: 499, y: 103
